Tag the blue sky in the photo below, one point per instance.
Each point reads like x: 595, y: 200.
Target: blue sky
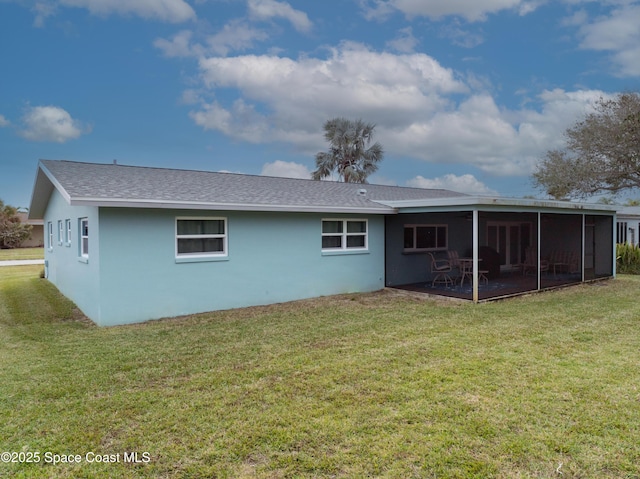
x: 466, y: 95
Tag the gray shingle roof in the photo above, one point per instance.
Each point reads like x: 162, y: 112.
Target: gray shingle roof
x: 91, y: 183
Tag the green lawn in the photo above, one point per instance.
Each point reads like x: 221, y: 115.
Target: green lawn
x: 372, y: 385
x: 21, y: 253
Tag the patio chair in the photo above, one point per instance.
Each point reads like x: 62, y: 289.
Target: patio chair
x: 440, y: 269
x: 531, y: 262
x: 454, y: 260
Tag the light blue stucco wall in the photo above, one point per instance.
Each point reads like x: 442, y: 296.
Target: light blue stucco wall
x: 77, y: 278
x: 272, y: 257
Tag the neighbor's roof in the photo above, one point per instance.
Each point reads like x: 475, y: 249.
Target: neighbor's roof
x: 629, y: 211
x: 133, y: 186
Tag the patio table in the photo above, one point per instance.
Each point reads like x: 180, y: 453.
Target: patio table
x: 466, y: 269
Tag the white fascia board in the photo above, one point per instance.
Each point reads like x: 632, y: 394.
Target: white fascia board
x: 55, y: 183
x: 629, y: 211
x: 479, y: 201
x: 43, y: 186
x: 191, y: 205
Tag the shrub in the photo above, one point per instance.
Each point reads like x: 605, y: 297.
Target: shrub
x: 12, y: 231
x: 628, y: 258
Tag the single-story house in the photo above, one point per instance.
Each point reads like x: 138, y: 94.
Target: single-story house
x: 130, y: 244
x: 628, y: 225
x: 36, y: 238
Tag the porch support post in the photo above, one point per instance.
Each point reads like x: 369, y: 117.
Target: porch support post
x: 475, y: 255
x: 584, y: 227
x: 538, y: 249
x: 613, y: 242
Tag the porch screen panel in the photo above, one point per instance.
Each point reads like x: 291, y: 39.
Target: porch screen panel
x: 502, y: 244
x: 525, y: 240
x: 514, y: 244
x: 425, y: 237
x: 408, y: 238
x: 441, y: 237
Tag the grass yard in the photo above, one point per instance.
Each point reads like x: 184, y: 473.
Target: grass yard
x: 21, y: 253
x: 372, y: 385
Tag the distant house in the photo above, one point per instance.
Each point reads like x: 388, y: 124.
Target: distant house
x: 130, y: 244
x: 628, y: 225
x: 36, y: 239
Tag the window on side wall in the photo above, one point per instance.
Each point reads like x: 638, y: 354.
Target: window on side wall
x: 50, y: 235
x: 60, y: 232
x: 425, y: 237
x: 344, y: 235
x: 84, y: 237
x: 67, y: 239
x: 201, y: 237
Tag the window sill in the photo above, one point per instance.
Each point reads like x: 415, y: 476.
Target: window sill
x: 200, y: 259
x: 83, y: 260
x: 340, y: 252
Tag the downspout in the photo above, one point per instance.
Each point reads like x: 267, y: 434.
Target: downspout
x: 613, y: 242
x: 538, y: 250
x: 475, y: 255
x: 584, y: 240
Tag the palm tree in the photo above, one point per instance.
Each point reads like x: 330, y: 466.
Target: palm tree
x: 349, y: 151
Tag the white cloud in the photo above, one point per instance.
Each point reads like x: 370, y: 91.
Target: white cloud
x: 179, y: 45
x: 461, y: 36
x: 268, y: 9
x: 353, y: 81
x: 50, y: 123
x: 173, y: 11
x: 4, y: 122
x: 472, y: 11
x: 236, y: 35
x: 422, y: 110
x: 286, y: 169
x: 42, y: 10
x: 618, y: 33
x: 467, y: 184
x: 405, y: 42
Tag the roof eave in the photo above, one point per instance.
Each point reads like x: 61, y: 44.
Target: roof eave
x: 194, y: 205
x: 43, y: 186
x: 480, y: 201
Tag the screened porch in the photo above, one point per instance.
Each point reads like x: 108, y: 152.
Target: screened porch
x: 508, y: 252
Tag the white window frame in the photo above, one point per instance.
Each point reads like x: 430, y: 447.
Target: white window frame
x: 214, y: 254
x: 345, y: 234
x: 60, y: 232
x: 67, y: 238
x: 50, y: 235
x: 84, y: 253
x: 415, y: 249
x: 621, y: 234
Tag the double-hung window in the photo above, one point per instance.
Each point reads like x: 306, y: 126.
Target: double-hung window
x: 425, y: 237
x: 60, y: 232
x: 344, y: 235
x: 201, y: 237
x: 84, y: 237
x: 50, y: 235
x: 67, y: 238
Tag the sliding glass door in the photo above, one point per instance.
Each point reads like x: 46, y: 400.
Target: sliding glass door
x: 510, y: 240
